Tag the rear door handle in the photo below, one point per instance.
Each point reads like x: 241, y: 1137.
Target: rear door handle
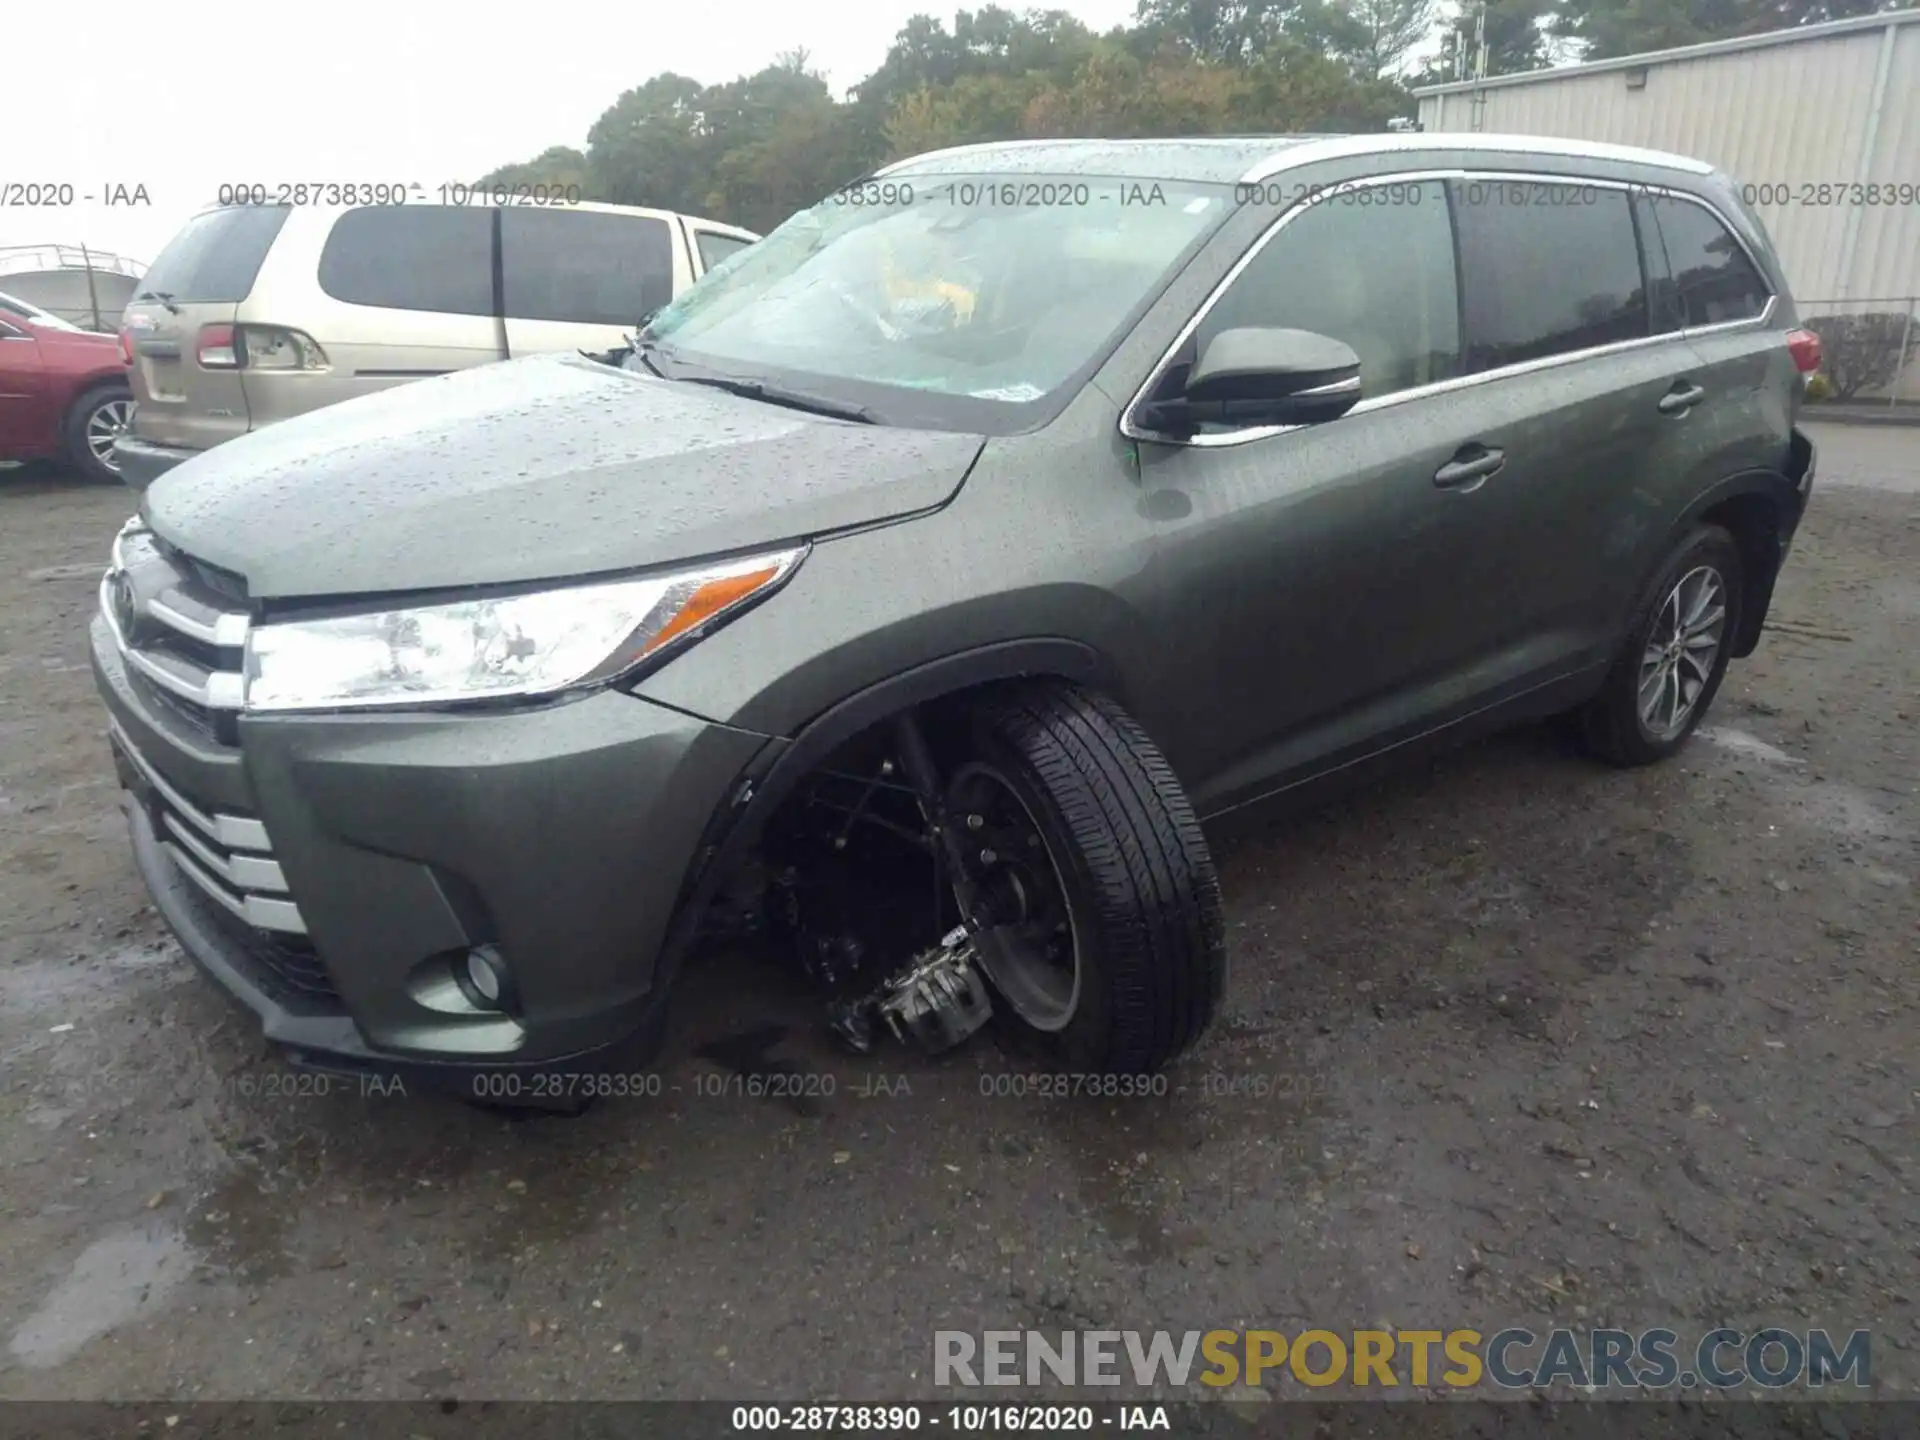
x: 1469, y: 468
x: 1681, y: 398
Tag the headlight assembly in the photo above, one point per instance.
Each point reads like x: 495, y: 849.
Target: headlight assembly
x: 498, y: 647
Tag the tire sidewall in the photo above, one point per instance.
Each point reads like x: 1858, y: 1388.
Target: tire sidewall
x: 1708, y: 545
x: 1077, y: 1043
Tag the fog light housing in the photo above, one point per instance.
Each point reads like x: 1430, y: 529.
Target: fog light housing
x: 482, y: 977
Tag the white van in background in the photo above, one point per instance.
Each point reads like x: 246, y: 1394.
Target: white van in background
x: 254, y: 313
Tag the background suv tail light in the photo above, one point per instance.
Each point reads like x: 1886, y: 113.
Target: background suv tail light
x: 1804, y: 346
x: 258, y: 347
x: 215, y: 350
x: 270, y: 347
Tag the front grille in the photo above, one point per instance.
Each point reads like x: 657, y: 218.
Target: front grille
x: 180, y: 633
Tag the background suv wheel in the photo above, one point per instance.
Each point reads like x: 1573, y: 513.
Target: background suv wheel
x: 98, y: 418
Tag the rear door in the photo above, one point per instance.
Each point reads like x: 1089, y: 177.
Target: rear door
x: 1560, y: 331
x: 188, y: 391
x: 582, y: 277
x: 1717, y: 293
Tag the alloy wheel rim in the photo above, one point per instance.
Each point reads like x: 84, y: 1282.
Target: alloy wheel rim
x: 106, y: 424
x: 1027, y: 943
x: 1681, y: 650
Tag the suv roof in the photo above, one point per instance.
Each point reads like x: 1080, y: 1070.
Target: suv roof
x: 1227, y: 158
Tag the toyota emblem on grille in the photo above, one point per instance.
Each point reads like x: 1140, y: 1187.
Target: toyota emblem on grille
x: 121, y: 597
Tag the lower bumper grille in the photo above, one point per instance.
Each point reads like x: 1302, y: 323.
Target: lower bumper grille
x: 236, y: 887
x: 228, y: 856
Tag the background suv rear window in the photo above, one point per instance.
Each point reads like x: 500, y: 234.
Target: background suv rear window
x: 584, y: 266
x: 412, y: 257
x: 715, y: 247
x: 215, y: 256
x: 1547, y: 267
x: 1714, y: 282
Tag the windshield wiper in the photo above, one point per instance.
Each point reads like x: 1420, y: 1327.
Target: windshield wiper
x: 162, y: 296
x: 794, y: 399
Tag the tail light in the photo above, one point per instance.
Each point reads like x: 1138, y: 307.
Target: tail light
x: 1804, y: 346
x: 216, y: 349
x: 270, y: 347
x: 258, y: 347
x: 126, y: 344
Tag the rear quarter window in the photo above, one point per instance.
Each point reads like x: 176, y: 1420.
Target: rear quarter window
x: 1714, y: 281
x: 715, y: 247
x: 584, y: 266
x: 215, y: 257
x: 412, y: 257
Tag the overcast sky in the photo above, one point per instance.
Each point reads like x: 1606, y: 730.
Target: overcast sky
x: 182, y: 97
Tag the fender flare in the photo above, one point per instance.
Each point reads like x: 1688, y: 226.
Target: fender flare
x: 1785, y: 499
x: 777, y: 770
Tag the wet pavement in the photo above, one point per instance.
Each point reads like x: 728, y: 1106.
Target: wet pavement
x: 1510, y: 1039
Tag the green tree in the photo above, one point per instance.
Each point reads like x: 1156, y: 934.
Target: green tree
x: 1519, y: 37
x: 560, y: 165
x: 757, y: 148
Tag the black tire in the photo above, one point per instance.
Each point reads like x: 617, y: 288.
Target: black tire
x: 1611, y: 724
x: 1138, y: 881
x: 78, y: 452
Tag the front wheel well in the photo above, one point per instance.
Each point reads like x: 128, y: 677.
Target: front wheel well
x: 1753, y: 519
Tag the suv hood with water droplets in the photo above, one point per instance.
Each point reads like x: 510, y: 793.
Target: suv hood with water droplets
x: 548, y: 468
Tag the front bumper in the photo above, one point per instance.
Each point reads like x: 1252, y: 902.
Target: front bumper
x: 142, y: 462
x: 561, y: 835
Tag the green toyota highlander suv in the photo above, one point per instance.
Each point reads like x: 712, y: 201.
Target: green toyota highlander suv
x: 920, y: 582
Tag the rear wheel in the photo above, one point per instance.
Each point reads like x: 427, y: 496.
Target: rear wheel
x: 1100, y: 918
x: 1675, y: 655
x: 98, y: 418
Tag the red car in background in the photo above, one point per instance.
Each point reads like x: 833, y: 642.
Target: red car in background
x: 63, y: 391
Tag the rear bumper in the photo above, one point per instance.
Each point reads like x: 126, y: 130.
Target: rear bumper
x: 142, y: 462
x: 330, y: 872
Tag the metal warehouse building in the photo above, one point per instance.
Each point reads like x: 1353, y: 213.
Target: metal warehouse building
x: 1820, y: 124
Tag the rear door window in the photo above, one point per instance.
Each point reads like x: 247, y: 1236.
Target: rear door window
x: 1714, y: 281
x: 586, y: 267
x: 1547, y: 267
x: 214, y: 258
x: 412, y: 257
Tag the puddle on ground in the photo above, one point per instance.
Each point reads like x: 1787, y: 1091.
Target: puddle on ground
x: 119, y: 1277
x: 64, y: 986
x: 1741, y: 743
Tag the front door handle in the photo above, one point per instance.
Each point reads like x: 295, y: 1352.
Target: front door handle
x: 1469, y: 468
x: 1681, y: 398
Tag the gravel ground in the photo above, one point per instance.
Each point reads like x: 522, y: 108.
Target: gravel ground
x: 1511, y: 1039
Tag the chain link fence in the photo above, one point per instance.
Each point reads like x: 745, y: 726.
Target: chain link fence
x: 1870, y: 356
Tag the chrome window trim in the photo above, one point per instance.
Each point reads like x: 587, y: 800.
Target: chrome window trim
x: 1221, y: 439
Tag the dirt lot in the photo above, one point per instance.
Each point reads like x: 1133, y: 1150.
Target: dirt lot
x: 1540, y: 1043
